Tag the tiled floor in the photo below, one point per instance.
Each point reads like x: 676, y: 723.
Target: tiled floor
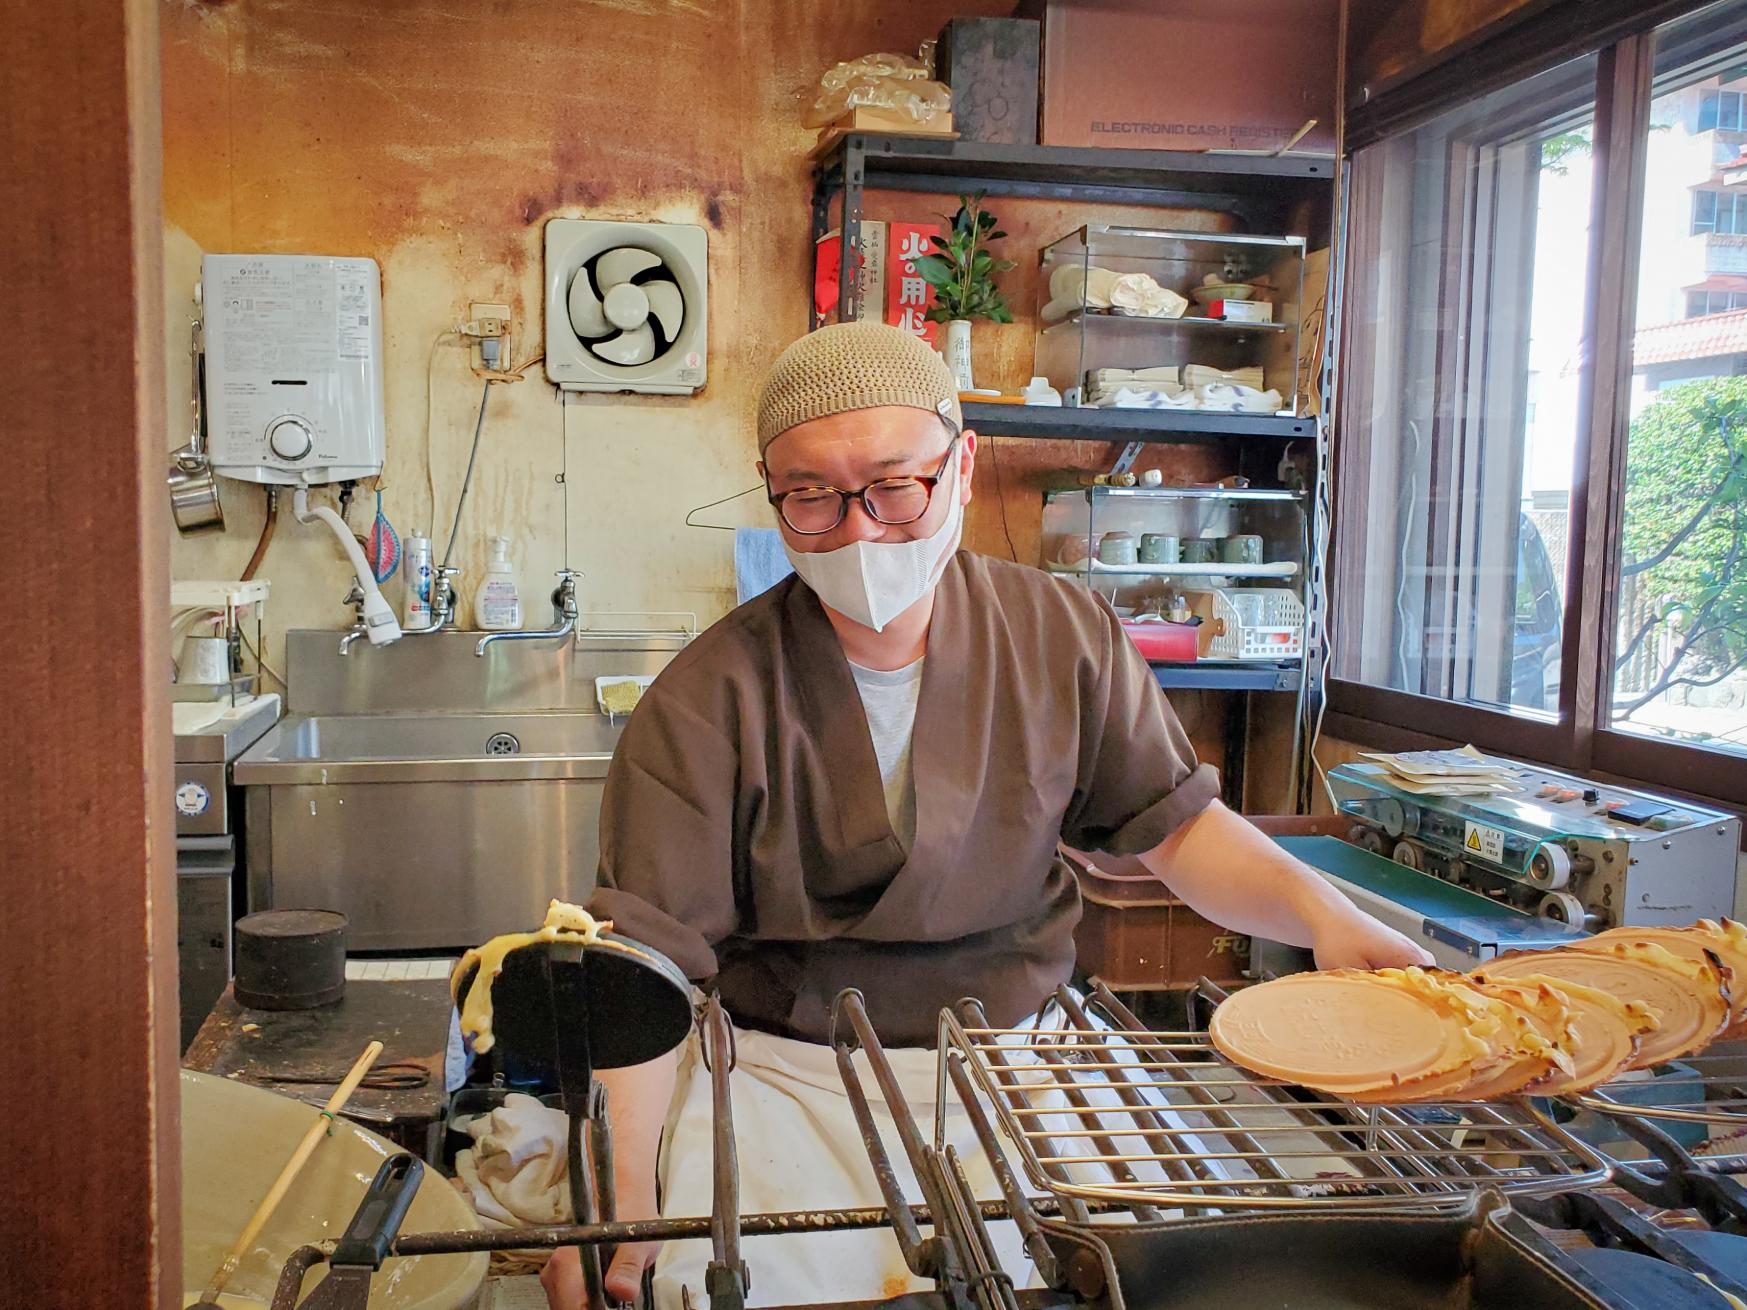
x: 398, y: 970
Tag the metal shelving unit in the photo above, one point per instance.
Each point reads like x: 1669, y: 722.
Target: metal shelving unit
x: 1260, y: 191
x: 1207, y: 675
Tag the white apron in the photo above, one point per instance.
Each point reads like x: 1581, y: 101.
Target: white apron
x: 799, y: 1149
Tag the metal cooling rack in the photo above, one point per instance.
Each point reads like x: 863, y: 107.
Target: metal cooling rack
x: 1135, y: 1117
x: 1710, y: 1088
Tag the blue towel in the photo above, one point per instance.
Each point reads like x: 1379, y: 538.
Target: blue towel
x: 759, y: 561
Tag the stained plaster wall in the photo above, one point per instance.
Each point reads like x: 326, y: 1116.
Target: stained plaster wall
x: 438, y: 138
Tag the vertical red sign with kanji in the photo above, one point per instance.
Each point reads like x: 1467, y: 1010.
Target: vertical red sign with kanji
x: 908, y: 297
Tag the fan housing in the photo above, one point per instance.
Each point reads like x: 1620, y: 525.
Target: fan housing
x: 626, y: 306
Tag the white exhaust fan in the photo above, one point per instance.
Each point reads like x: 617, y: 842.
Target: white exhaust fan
x: 625, y: 306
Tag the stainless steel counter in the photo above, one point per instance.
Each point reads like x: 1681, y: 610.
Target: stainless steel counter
x: 329, y: 749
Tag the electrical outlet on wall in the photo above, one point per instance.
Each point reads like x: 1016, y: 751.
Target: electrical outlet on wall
x: 488, y: 323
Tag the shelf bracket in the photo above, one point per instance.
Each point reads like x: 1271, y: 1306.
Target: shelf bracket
x: 1125, y: 460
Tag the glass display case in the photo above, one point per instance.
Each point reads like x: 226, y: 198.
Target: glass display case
x: 1194, y: 573
x: 1145, y: 319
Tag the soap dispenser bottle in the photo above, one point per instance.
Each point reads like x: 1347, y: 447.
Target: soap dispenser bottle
x: 498, y: 606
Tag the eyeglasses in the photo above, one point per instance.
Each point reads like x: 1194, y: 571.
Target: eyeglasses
x: 814, y: 511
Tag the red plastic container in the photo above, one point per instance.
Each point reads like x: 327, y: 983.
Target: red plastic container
x: 1164, y: 641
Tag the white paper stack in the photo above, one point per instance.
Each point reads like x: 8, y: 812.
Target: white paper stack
x: 1461, y: 772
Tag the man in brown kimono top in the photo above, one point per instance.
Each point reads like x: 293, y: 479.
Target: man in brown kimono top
x: 861, y: 777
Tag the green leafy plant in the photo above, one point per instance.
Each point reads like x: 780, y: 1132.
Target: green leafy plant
x: 963, y: 273
x: 1683, y: 601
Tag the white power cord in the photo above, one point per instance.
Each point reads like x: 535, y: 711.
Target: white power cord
x: 380, y: 625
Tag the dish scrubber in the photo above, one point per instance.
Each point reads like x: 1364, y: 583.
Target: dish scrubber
x: 619, y: 695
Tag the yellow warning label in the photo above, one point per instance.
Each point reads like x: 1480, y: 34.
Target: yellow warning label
x: 1487, y: 843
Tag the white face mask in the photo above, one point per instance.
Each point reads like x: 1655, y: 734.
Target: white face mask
x: 873, y: 582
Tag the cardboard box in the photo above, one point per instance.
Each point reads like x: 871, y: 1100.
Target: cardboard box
x: 992, y: 66
x: 1187, y: 74
x: 908, y: 297
x: 1241, y: 311
x: 871, y: 279
x: 1312, y: 332
x: 885, y: 122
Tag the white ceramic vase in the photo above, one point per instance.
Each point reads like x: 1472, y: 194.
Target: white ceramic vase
x: 957, y: 351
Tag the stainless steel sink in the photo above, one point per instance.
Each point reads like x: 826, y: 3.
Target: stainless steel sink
x: 430, y: 831
x: 328, y: 749
x: 434, y: 797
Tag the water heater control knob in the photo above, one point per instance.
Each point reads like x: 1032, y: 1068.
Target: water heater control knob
x: 290, y: 438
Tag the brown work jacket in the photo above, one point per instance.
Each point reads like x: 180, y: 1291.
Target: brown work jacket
x: 744, y: 830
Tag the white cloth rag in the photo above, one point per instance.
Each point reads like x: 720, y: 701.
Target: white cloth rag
x: 1167, y: 377
x: 1215, y: 396
x: 515, y: 1172
x: 1087, y: 286
x: 1156, y: 376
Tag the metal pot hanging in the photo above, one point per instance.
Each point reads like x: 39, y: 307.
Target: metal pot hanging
x: 194, y: 502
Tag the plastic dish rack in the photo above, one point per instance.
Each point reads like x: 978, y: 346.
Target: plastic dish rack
x: 1256, y: 623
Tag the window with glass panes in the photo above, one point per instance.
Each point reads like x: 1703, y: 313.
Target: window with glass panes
x: 1541, y: 517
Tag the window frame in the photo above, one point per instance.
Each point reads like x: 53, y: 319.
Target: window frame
x: 1579, y: 738
x: 1705, y: 227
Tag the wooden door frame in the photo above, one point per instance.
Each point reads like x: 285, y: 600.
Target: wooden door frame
x: 87, y: 838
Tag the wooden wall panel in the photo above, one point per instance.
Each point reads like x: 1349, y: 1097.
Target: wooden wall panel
x: 87, y: 865
x: 1387, y: 41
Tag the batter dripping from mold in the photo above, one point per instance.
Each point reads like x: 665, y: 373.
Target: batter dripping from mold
x: 563, y: 923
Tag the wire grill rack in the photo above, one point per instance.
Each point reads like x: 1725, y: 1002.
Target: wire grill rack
x: 1159, y: 1120
x: 1701, y: 1089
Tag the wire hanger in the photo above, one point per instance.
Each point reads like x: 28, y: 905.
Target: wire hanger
x: 724, y: 527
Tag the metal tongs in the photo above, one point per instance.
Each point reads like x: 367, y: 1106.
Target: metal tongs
x: 959, y: 1257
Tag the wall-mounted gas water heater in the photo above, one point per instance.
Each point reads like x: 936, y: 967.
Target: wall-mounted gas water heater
x: 293, y: 367
x: 294, y: 384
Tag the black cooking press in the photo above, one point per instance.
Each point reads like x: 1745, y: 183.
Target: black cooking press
x: 562, y: 1010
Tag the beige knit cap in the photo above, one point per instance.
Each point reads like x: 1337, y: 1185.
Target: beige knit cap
x: 853, y: 366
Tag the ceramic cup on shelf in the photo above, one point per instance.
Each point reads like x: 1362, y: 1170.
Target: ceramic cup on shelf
x: 1243, y: 548
x: 1201, y: 550
x: 1117, y: 548
x: 1159, y: 548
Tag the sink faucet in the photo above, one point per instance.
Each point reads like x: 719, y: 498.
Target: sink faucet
x: 442, y: 601
x: 564, y: 614
x: 442, y: 608
x: 359, y: 628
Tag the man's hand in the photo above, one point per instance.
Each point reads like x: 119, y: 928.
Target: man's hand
x: 637, y: 1099
x: 1348, y: 938
x: 1230, y: 873
x: 562, y: 1276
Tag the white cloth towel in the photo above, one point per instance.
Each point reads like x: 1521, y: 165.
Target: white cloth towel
x: 1087, y: 286
x: 1201, y: 375
x: 1157, y: 376
x: 1216, y: 396
x: 515, y: 1172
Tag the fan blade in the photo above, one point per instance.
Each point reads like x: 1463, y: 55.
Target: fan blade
x: 587, y: 318
x: 634, y: 347
x: 668, y: 306
x: 622, y: 265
